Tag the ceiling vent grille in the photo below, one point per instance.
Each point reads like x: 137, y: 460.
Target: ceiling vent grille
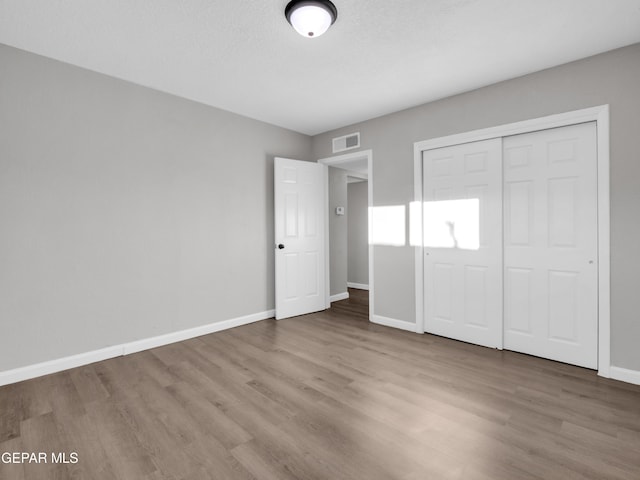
x: 346, y: 142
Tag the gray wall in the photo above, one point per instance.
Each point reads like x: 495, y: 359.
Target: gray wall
x: 337, y: 231
x: 125, y: 212
x: 357, y: 233
x: 128, y: 213
x: 611, y: 78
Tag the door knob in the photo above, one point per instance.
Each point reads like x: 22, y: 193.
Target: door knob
x: 280, y: 246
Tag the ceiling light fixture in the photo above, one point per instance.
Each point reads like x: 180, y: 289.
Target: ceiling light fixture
x: 311, y: 18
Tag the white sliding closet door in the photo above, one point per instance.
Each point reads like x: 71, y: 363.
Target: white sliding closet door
x: 550, y: 244
x: 462, y: 193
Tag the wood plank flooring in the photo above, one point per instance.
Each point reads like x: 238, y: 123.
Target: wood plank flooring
x: 356, y: 306
x: 324, y: 396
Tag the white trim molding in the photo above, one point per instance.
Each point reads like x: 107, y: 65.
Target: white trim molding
x: 394, y: 323
x: 336, y: 161
x: 624, y: 375
x: 339, y: 296
x: 358, y: 286
x: 53, y: 366
x: 600, y: 115
x: 179, y: 336
x: 327, y: 240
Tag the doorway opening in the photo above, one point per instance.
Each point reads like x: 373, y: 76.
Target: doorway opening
x: 349, y: 270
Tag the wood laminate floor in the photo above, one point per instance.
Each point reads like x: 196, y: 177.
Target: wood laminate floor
x: 356, y: 306
x: 324, y: 396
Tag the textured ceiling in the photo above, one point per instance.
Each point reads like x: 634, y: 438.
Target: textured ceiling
x: 380, y: 56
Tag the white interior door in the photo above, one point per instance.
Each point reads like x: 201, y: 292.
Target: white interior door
x: 299, y: 237
x: 462, y: 193
x: 550, y: 244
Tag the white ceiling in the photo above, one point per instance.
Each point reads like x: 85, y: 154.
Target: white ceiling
x: 380, y: 56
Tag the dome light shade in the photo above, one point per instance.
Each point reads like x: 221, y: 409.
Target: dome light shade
x: 311, y: 18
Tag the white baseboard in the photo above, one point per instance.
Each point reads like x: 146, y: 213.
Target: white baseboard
x: 339, y: 296
x: 179, y: 336
x: 359, y: 286
x: 52, y: 366
x: 625, y: 375
x: 393, y: 322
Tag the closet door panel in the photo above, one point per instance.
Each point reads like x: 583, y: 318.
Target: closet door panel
x: 462, y: 192
x: 550, y: 244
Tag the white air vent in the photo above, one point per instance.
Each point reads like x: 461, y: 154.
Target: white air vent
x: 346, y: 142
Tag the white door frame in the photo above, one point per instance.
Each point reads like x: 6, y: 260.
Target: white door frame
x: 336, y: 161
x: 600, y: 115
